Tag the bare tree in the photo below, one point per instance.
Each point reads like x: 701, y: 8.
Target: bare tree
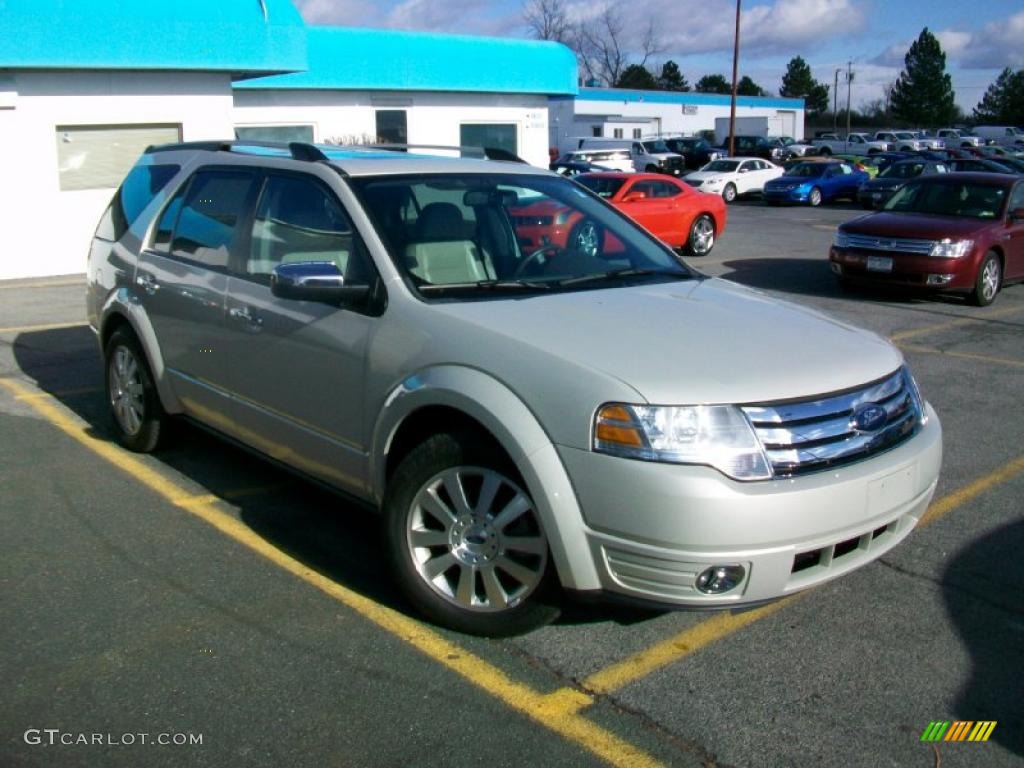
x: 601, y: 46
x: 548, y: 20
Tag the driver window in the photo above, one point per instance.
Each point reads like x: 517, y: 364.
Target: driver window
x: 297, y: 219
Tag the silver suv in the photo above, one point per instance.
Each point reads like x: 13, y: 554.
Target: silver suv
x: 536, y: 394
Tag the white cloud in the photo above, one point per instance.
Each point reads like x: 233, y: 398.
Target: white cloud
x: 997, y: 45
x: 470, y: 17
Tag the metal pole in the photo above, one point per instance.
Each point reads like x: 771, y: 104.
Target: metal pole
x: 835, y: 103
x: 849, y: 80
x: 735, y: 69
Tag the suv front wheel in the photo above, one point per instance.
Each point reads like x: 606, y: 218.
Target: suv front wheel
x: 465, y: 540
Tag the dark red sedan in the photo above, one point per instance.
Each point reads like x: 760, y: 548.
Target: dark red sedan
x: 959, y: 231
x: 669, y: 209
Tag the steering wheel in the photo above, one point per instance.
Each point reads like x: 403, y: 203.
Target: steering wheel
x: 550, y: 249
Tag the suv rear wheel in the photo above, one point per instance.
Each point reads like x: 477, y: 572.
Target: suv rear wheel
x: 465, y: 539
x: 138, y: 417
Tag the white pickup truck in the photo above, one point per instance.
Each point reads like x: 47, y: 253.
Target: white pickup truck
x: 954, y: 137
x: 902, y: 141
x: 854, y: 144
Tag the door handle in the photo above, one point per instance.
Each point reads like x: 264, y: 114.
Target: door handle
x: 242, y: 313
x: 148, y: 283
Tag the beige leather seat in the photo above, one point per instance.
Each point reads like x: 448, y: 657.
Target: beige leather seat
x: 439, y: 253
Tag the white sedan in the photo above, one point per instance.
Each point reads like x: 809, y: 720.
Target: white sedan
x: 733, y: 176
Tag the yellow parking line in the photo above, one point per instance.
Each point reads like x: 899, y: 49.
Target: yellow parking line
x: 963, y: 355
x: 690, y: 640
x: 951, y: 501
x: 721, y: 625
x: 46, y: 327
x: 924, y: 330
x: 552, y: 712
x: 60, y: 393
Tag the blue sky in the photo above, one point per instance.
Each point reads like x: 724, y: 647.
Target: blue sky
x: 979, y: 39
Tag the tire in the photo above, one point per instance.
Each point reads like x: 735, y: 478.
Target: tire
x: 825, y: 151
x: 729, y: 193
x: 702, y: 236
x: 988, y: 280
x: 468, y: 570
x: 586, y: 238
x: 814, y: 197
x: 651, y: 169
x: 139, y: 418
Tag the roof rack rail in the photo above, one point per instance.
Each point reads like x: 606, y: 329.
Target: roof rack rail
x: 298, y: 150
x: 486, y: 153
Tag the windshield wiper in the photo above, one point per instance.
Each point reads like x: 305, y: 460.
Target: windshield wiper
x: 622, y: 272
x: 487, y: 285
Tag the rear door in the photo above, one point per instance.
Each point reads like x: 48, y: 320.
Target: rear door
x: 297, y: 368
x: 181, y: 282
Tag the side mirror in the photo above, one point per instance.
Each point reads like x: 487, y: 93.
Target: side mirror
x: 1017, y: 214
x: 632, y: 197
x: 315, y: 281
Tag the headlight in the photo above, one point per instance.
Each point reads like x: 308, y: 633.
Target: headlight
x: 712, y: 182
x: 718, y: 436
x: 841, y: 239
x: 562, y: 217
x: 951, y: 249
x: 915, y: 394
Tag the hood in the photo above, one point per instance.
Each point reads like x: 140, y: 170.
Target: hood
x: 877, y: 183
x: 697, y: 341
x: 915, y: 225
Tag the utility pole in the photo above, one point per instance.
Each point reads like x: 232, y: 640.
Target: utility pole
x: 849, y: 81
x: 835, y: 103
x: 735, y: 70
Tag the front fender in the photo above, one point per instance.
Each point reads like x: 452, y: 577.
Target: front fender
x: 514, y: 426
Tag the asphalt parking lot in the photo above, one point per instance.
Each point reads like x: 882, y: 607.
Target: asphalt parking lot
x: 202, y: 592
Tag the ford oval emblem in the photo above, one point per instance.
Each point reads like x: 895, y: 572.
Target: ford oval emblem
x: 870, y: 417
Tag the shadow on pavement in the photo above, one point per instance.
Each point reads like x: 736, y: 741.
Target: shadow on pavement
x: 323, y: 530
x: 983, y: 588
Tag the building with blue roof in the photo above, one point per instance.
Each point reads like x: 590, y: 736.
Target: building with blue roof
x: 633, y: 114
x: 86, y: 85
x: 372, y: 85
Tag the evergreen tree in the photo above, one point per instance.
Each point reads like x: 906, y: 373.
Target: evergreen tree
x: 797, y: 83
x: 713, y: 84
x: 671, y: 79
x: 1003, y: 102
x: 637, y: 76
x: 923, y: 94
x: 747, y: 87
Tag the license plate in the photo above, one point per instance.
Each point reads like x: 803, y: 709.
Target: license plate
x: 879, y: 264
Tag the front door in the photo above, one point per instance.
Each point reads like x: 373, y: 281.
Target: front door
x: 297, y: 368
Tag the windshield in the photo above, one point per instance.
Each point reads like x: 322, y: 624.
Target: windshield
x: 807, y: 170
x: 949, y: 198
x: 482, y: 235
x: 902, y: 171
x: 656, y: 146
x: 721, y: 166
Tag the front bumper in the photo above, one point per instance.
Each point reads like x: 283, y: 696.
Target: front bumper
x: 795, y: 195
x: 652, y: 527
x: 905, y: 269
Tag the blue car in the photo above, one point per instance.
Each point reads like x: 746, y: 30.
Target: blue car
x: 814, y: 183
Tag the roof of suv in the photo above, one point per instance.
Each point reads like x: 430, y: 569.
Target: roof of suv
x: 353, y: 161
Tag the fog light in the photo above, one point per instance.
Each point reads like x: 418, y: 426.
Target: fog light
x: 720, y: 578
x: 836, y: 268
x: 939, y: 279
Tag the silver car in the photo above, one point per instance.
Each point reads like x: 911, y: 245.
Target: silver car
x: 536, y: 394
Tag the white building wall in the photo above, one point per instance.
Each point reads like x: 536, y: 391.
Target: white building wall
x: 46, y: 231
x: 433, y: 118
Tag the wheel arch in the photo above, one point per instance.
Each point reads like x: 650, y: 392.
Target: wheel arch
x: 447, y: 398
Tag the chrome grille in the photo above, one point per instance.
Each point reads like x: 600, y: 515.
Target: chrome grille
x: 901, y: 244
x: 810, y: 435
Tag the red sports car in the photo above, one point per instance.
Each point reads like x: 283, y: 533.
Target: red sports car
x: 671, y: 210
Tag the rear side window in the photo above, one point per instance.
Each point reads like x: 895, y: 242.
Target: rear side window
x: 209, y: 217
x: 137, y: 191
